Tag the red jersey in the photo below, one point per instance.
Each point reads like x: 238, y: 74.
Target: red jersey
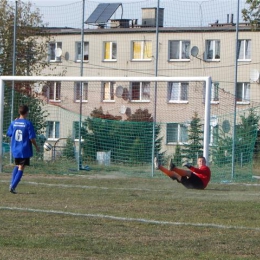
x: 203, y: 173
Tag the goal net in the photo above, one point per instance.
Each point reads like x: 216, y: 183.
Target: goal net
x: 118, y: 124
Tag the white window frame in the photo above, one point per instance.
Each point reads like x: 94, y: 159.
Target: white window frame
x: 214, y: 46
x: 108, y: 94
x: 245, y: 91
x: 78, y: 52
x: 112, y: 51
x: 84, y: 91
x: 181, y: 51
x: 182, y: 133
x: 54, y: 134
x: 176, y: 92
x: 56, y: 85
x: 142, y: 51
x: 244, y: 50
x: 144, y: 91
x: 53, y: 46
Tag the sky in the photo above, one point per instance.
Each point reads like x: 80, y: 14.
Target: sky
x: 177, y: 13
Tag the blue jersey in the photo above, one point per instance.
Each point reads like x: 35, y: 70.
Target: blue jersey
x: 21, y: 132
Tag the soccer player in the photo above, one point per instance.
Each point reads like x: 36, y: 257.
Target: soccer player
x: 194, y: 178
x: 22, y: 136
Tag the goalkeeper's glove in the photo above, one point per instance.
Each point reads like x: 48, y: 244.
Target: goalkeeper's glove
x: 188, y: 165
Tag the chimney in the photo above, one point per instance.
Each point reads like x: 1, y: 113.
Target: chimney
x: 232, y: 18
x: 227, y: 18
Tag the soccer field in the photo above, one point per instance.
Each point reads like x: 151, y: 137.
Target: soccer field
x: 112, y: 216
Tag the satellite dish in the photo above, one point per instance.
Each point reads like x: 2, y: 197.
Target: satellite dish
x: 254, y: 75
x: 122, y: 109
x: 128, y: 111
x: 119, y: 91
x: 194, y: 51
x: 226, y: 126
x: 67, y: 56
x: 58, y: 52
x: 38, y: 88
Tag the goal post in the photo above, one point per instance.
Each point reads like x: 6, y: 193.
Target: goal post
x: 125, y: 103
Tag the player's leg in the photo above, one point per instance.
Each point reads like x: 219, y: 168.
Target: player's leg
x: 22, y: 163
x: 167, y: 172
x: 14, y: 172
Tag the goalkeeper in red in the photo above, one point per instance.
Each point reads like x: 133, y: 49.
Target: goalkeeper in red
x: 23, y: 137
x: 194, y: 178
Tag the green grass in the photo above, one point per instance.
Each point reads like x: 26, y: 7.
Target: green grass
x: 109, y: 215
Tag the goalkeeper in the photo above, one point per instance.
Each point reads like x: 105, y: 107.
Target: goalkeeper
x: 194, y: 178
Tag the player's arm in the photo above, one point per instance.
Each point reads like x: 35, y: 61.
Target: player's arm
x: 35, y: 144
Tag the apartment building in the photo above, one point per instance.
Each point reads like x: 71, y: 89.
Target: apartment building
x: 127, y: 49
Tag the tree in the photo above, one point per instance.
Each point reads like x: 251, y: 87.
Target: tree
x: 31, y: 51
x: 252, y: 14
x: 194, y: 148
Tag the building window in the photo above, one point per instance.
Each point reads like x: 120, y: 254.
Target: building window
x: 55, y: 51
x: 140, y: 91
x: 214, y: 92
x: 83, y: 93
x: 176, y: 133
x: 141, y: 50
x: 244, y: 50
x: 178, y: 91
x: 53, y: 130
x: 243, y: 92
x: 54, y: 89
x: 179, y: 50
x: 110, y: 51
x: 78, y: 51
x: 212, y: 50
x: 108, y: 89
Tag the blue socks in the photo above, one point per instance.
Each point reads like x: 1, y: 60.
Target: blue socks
x: 15, y: 170
x: 17, y: 178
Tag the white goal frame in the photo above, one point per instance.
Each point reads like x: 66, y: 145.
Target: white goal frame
x: 207, y: 81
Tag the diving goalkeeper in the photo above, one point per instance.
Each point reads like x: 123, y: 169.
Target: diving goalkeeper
x: 194, y: 178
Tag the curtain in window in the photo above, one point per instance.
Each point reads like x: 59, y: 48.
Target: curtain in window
x: 114, y: 51
x: 246, y: 91
x: 86, y: 52
x: 184, y: 91
x: 146, y: 90
x: 147, y: 49
x: 58, y: 88
x: 183, y: 134
x: 106, y: 91
x: 173, y: 90
x: 57, y: 129
x: 209, y: 48
x: 217, y: 49
x: 174, y: 49
x: 185, y: 50
x: 247, y: 49
x: 52, y: 51
x: 240, y: 49
x: 172, y: 133
x: 107, y: 50
x: 137, y: 50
